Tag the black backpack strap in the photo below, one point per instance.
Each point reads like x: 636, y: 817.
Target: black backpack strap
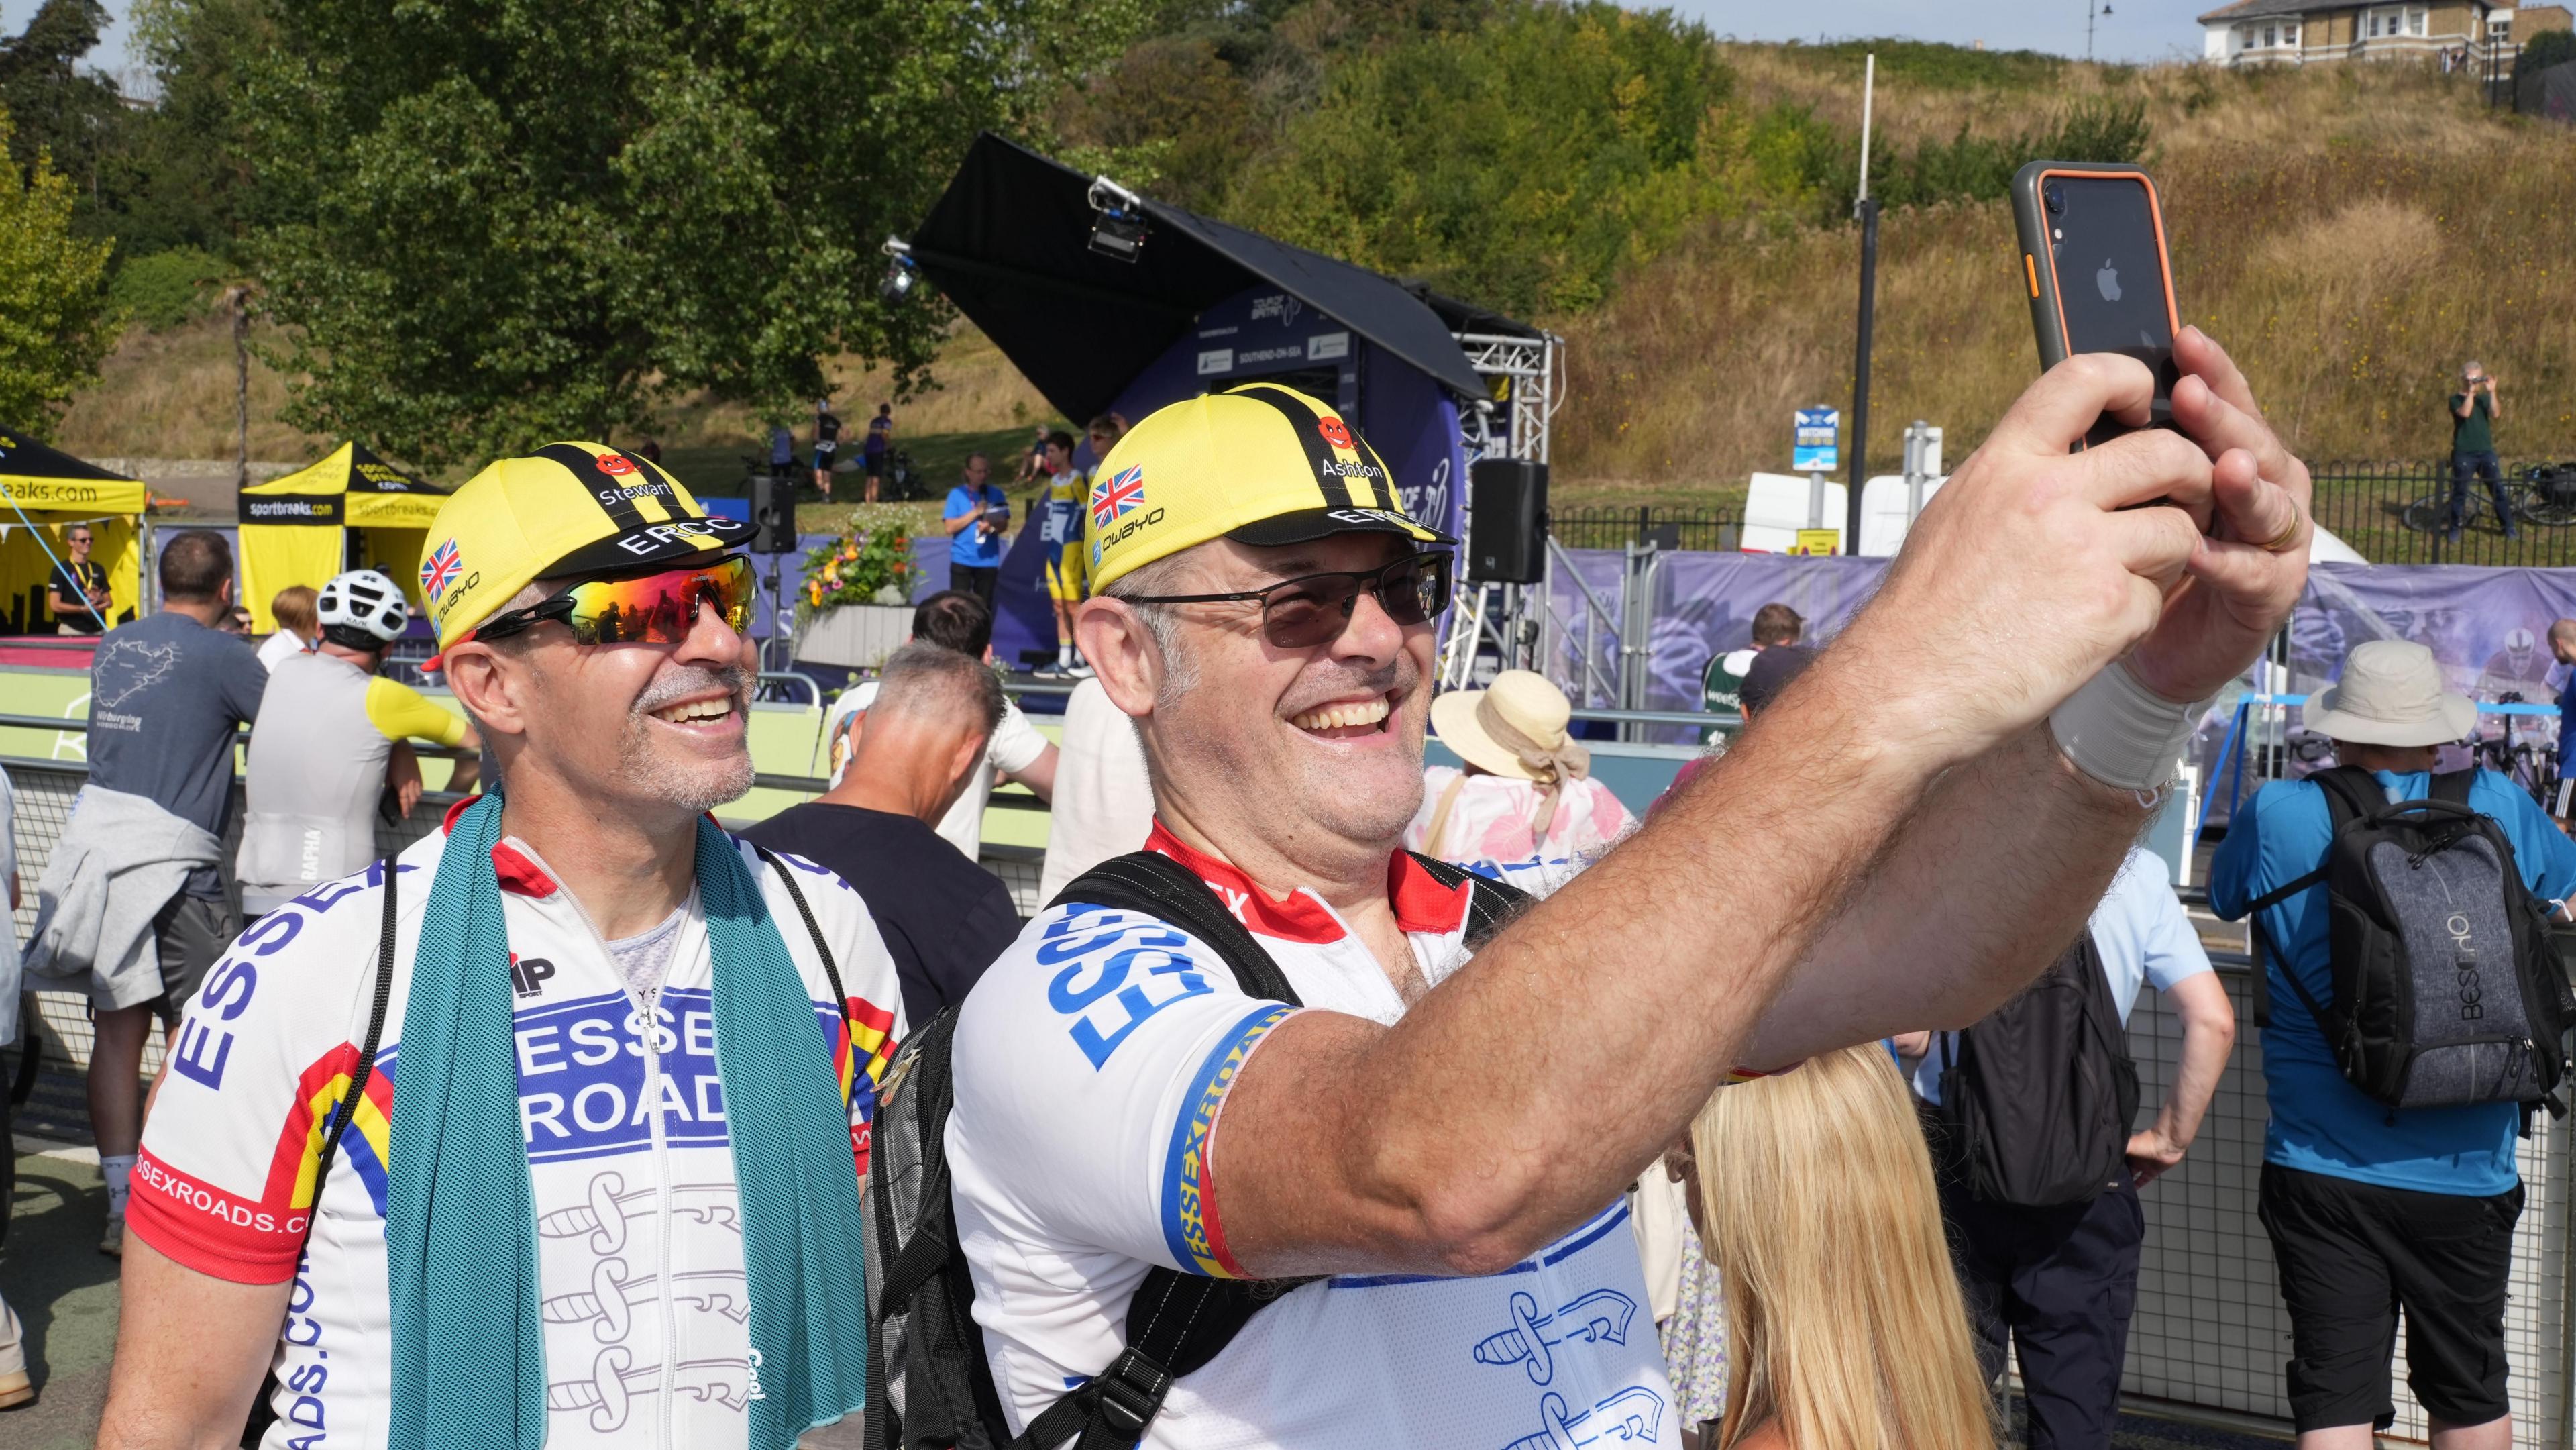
x: 262, y: 1413
x: 813, y: 929
x: 1155, y: 885
x: 1491, y: 904
x: 2452, y: 787
x: 2352, y: 794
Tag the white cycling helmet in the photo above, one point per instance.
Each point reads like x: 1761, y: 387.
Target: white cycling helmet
x: 364, y: 603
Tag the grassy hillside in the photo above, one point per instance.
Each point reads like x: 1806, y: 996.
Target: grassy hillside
x: 2351, y: 233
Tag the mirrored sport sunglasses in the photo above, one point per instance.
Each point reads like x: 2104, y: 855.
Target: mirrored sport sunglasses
x: 639, y: 609
x: 1314, y: 609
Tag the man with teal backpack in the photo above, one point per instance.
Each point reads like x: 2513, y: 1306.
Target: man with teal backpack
x: 636, y: 1056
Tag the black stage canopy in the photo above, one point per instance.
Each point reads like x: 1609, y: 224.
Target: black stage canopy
x: 1009, y: 243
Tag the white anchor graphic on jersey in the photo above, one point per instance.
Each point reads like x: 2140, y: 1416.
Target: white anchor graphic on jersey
x: 606, y: 1308
x: 1629, y: 1417
x: 611, y: 1388
x: 1600, y: 1317
x: 604, y: 1217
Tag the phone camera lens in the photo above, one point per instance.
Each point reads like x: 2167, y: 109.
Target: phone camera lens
x: 2055, y: 194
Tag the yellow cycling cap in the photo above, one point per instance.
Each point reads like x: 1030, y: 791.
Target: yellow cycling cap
x: 1262, y: 463
x: 568, y: 508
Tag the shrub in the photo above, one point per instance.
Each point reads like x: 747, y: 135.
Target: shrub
x: 2548, y: 48
x: 165, y: 289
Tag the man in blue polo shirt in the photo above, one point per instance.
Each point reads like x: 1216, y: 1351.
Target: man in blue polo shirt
x: 2371, y: 1208
x: 976, y: 516
x: 2562, y: 644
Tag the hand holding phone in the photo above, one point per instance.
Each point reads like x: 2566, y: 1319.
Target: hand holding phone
x: 2094, y: 261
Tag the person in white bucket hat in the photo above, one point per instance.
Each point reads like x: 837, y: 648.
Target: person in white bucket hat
x: 1525, y: 808
x: 2391, y: 694
x: 2369, y: 1206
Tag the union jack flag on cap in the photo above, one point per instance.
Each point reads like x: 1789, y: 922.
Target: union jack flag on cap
x: 439, y: 570
x: 1116, y: 496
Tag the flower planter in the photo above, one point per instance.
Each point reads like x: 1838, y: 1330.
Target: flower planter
x: 854, y: 636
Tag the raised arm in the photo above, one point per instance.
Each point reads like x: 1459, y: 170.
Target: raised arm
x: 1515, y: 1099
x: 190, y: 1351
x: 2009, y: 853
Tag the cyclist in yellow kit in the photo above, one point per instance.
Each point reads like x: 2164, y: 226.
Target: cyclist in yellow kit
x: 332, y: 736
x: 1060, y: 528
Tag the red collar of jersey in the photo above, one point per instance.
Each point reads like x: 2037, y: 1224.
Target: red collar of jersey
x: 1421, y: 904
x: 517, y: 873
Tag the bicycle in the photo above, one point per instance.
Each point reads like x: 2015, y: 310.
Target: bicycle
x: 2551, y: 490
x: 2431, y: 513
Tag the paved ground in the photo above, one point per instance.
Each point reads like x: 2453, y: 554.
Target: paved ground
x: 64, y: 1290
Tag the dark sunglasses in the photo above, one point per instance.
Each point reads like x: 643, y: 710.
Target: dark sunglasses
x: 1314, y: 609
x: 639, y: 609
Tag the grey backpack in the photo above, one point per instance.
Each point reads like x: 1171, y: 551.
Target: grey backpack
x: 2445, y: 990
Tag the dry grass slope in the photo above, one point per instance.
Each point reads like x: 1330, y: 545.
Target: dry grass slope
x: 2351, y: 233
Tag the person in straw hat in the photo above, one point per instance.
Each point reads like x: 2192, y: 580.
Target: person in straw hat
x: 2372, y: 1208
x: 1525, y: 807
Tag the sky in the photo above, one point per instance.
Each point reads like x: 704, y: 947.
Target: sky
x: 2136, y: 30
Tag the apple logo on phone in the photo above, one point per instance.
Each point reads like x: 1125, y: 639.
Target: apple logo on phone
x: 2108, y: 279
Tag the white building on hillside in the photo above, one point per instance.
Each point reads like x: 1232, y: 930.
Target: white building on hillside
x: 2307, y: 32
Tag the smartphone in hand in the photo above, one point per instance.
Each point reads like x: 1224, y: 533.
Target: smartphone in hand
x: 2099, y: 277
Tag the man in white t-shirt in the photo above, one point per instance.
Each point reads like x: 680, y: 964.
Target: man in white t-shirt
x: 1103, y: 804
x: 955, y: 619
x: 1441, y: 1153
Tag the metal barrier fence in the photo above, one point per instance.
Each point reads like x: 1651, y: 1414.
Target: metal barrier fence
x: 2210, y: 1331
x: 2394, y: 513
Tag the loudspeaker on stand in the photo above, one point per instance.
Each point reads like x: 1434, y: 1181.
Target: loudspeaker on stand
x: 773, y: 514
x: 1507, y: 524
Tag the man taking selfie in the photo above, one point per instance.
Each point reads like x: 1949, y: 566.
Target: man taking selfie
x: 1439, y: 1147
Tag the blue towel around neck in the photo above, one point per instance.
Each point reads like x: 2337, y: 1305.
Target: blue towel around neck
x: 460, y: 1231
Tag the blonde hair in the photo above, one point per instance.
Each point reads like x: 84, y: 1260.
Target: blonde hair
x: 297, y: 610
x: 1844, y: 1319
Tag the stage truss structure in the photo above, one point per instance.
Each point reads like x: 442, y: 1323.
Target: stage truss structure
x: 1525, y: 378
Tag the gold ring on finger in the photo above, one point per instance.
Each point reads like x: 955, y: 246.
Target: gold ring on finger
x: 2288, y: 538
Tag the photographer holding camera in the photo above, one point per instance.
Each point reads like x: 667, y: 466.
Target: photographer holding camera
x: 2474, y: 410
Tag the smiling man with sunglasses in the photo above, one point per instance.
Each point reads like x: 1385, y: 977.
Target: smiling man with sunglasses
x: 637, y: 1059
x: 1429, y: 1151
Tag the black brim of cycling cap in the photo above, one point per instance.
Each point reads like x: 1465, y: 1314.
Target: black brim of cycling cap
x: 1309, y: 525
x: 570, y: 508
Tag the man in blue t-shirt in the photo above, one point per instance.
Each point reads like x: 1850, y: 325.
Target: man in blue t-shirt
x: 976, y: 516
x: 2372, y: 1208
x: 2562, y: 644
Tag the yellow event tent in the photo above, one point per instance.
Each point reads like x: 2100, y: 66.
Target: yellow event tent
x: 300, y: 529
x: 42, y: 493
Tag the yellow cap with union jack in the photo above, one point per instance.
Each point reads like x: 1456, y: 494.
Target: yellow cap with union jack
x: 1262, y: 464
x: 566, y: 509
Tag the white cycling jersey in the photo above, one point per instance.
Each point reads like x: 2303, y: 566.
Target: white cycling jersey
x: 639, y: 1244
x: 1092, y: 1062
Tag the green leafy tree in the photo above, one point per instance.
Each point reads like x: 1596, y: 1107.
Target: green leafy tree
x: 528, y: 219
x: 62, y: 113
x: 55, y: 323
x: 181, y: 177
x: 1519, y: 163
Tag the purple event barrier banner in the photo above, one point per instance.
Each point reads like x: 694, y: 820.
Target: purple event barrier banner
x: 2489, y: 627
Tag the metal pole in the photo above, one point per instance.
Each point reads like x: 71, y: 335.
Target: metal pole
x: 241, y: 388
x: 1867, y: 211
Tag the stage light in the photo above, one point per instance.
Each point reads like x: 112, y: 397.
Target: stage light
x: 1120, y: 229
x: 900, y: 275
